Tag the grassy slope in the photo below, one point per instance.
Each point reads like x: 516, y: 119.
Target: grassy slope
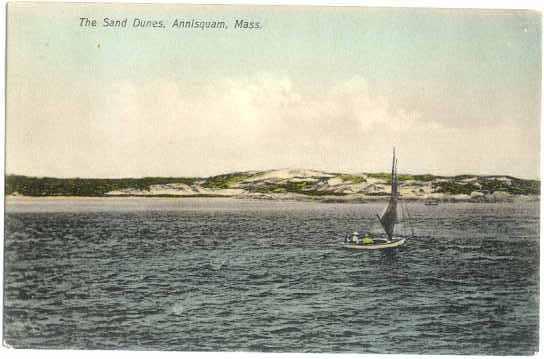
x: 46, y: 186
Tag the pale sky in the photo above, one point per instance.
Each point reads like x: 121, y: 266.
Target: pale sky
x: 456, y: 91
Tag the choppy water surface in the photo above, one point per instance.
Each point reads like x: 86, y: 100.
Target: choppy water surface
x: 215, y: 274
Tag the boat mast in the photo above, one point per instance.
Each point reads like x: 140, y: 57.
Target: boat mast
x: 389, y: 217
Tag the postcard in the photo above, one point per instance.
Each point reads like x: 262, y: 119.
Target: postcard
x: 272, y: 178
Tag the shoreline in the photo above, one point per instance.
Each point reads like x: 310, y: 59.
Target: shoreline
x: 286, y: 184
x: 276, y: 198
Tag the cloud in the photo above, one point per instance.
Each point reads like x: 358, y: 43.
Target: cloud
x: 175, y: 128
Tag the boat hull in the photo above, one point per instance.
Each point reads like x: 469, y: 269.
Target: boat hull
x: 392, y: 244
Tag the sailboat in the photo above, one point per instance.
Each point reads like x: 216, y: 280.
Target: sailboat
x: 388, y: 220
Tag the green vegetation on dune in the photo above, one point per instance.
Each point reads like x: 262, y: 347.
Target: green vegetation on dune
x: 517, y: 186
x: 380, y: 175
x: 403, y: 177
x: 47, y: 186
x: 386, y: 177
x: 352, y: 178
x: 406, y: 178
x: 453, y: 187
x: 299, y: 187
x: 488, y: 185
x: 227, y: 180
x: 424, y: 178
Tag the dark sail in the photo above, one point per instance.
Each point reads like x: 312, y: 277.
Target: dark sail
x: 390, y: 217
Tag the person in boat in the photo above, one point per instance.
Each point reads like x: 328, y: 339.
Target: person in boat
x: 355, y: 238
x: 367, y: 239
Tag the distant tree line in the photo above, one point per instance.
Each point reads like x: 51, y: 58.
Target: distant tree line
x: 48, y: 186
x: 489, y: 185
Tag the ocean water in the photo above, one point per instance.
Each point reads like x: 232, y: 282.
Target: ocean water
x: 235, y: 275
